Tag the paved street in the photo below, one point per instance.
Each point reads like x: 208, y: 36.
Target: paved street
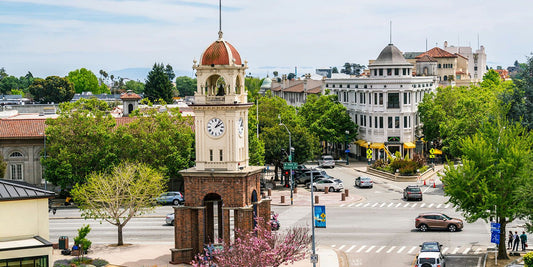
x: 374, y: 227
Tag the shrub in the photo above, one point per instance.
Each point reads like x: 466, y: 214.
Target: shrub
x: 528, y: 259
x: 81, y: 240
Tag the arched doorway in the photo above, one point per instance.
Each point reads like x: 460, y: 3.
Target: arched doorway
x: 213, y: 210
x: 254, y: 212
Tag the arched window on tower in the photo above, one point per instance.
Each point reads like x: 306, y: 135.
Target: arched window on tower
x: 221, y: 87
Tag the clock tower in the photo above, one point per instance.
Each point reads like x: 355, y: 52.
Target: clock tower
x: 222, y: 192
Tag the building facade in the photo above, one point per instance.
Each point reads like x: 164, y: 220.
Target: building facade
x: 295, y: 91
x: 477, y: 61
x: 384, y: 105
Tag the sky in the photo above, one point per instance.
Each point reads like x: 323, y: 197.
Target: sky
x: 54, y: 37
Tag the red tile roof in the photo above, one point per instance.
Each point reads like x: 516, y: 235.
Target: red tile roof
x: 297, y: 88
x: 316, y: 90
x: 130, y: 96
x: 426, y: 58
x: 217, y: 54
x: 437, y: 53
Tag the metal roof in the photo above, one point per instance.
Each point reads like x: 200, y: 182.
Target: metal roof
x: 10, y: 190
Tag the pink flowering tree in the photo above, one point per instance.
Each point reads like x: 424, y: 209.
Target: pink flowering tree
x: 260, y: 247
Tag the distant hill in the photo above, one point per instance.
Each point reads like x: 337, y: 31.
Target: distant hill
x: 140, y: 74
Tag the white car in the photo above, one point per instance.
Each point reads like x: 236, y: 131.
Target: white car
x: 332, y: 184
x: 170, y: 219
x: 430, y: 259
x: 326, y: 161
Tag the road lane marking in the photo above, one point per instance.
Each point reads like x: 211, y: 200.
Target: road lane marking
x: 369, y: 249
x: 423, y: 204
x: 406, y: 204
x: 382, y: 205
x: 400, y: 250
x: 366, y: 205
x: 397, y: 205
x: 430, y: 205
x: 414, y: 205
x: 455, y: 250
x: 361, y: 248
x: 438, y: 206
x: 390, y: 204
x: 466, y: 251
x: 391, y: 249
x: 375, y: 204
x: 411, y: 250
x: 359, y: 205
x: 341, y: 247
x: 380, y: 249
x: 350, y: 249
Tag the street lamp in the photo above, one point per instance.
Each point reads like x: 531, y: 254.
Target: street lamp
x: 346, y: 147
x: 313, y: 256
x: 291, y: 149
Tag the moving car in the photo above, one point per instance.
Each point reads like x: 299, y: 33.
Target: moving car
x: 412, y: 192
x: 306, y: 176
x: 326, y: 161
x: 430, y: 259
x: 430, y: 247
x: 174, y: 198
x: 437, y: 220
x: 332, y: 184
x: 364, y: 182
x: 170, y: 219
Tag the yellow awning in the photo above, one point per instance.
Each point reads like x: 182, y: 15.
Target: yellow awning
x: 408, y: 145
x: 437, y: 152
x: 377, y: 145
x: 362, y: 143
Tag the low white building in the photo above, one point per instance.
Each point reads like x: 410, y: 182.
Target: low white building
x: 385, y: 104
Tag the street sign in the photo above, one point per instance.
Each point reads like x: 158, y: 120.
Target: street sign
x: 314, y: 258
x: 347, y: 151
x: 369, y: 153
x: 432, y: 151
x: 290, y: 165
x: 320, y: 216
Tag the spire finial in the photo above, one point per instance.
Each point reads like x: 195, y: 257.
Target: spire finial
x: 390, y: 32
x: 219, y: 19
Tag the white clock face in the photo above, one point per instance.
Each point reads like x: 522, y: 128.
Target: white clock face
x: 240, y: 126
x: 215, y: 127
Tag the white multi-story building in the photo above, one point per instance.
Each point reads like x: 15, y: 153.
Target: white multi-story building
x: 477, y: 62
x: 385, y: 104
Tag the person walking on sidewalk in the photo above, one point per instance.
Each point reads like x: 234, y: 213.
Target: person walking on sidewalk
x: 510, y: 242
x: 516, y: 241
x: 523, y: 240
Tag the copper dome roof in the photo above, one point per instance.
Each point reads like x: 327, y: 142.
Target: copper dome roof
x: 220, y: 52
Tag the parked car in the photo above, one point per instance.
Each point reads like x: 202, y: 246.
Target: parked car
x: 332, y: 184
x: 364, y: 182
x: 430, y: 259
x: 174, y: 198
x: 412, y: 192
x: 326, y: 161
x: 169, y: 219
x: 306, y: 176
x: 437, y: 220
x: 315, y: 179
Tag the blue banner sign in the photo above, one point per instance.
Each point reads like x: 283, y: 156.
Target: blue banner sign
x: 495, y: 233
x: 320, y: 216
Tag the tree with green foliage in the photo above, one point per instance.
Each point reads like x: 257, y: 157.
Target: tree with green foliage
x: 158, y: 85
x: 126, y: 191
x: 135, y: 86
x: 291, y: 76
x: 334, y: 70
x: 84, y: 80
x: 170, y: 72
x: 52, y: 89
x: 520, y: 100
x: 328, y: 119
x: 256, y: 146
x: 253, y: 85
x: 496, y: 166
x: 186, y: 86
x: 81, y: 239
x: 8, y: 84
x: 3, y: 166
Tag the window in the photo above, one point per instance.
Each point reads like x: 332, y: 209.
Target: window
x: 381, y: 122
x: 355, y: 97
x: 389, y: 72
x: 438, y: 66
x: 404, y: 122
x: 340, y: 85
x: 327, y: 84
x: 394, y: 100
x: 376, y: 122
x: 210, y: 154
x: 375, y: 72
x: 380, y: 72
x: 396, y: 122
x: 355, y: 119
x: 370, y: 121
x: 333, y: 85
x: 348, y: 86
x: 16, y: 155
x: 404, y: 71
x: 375, y: 98
x: 381, y: 98
x: 221, y: 155
x: 475, y: 68
x: 362, y: 120
x: 396, y: 72
x: 16, y: 171
x: 390, y: 122
x: 405, y: 98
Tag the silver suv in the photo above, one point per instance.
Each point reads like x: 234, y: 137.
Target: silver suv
x: 326, y: 161
x: 331, y: 184
x: 430, y: 259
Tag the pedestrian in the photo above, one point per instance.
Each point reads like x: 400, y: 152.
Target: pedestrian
x: 516, y: 240
x: 510, y: 242
x: 523, y: 240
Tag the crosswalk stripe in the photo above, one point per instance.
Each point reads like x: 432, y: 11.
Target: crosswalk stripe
x: 397, y: 205
x: 401, y: 249
x: 411, y: 250
x: 466, y: 251
x: 342, y: 205
x: 390, y: 204
x: 423, y: 204
x: 438, y: 206
x: 370, y: 249
x: 478, y: 250
x: 380, y: 249
x: 382, y: 205
x: 333, y: 246
x: 366, y: 205
x: 390, y: 249
x: 361, y: 248
x: 444, y: 250
x: 406, y: 204
x: 350, y: 249
x: 351, y: 205
x: 455, y: 250
x: 341, y: 247
x: 414, y: 205
x: 447, y: 206
x: 359, y: 205
x: 430, y: 205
